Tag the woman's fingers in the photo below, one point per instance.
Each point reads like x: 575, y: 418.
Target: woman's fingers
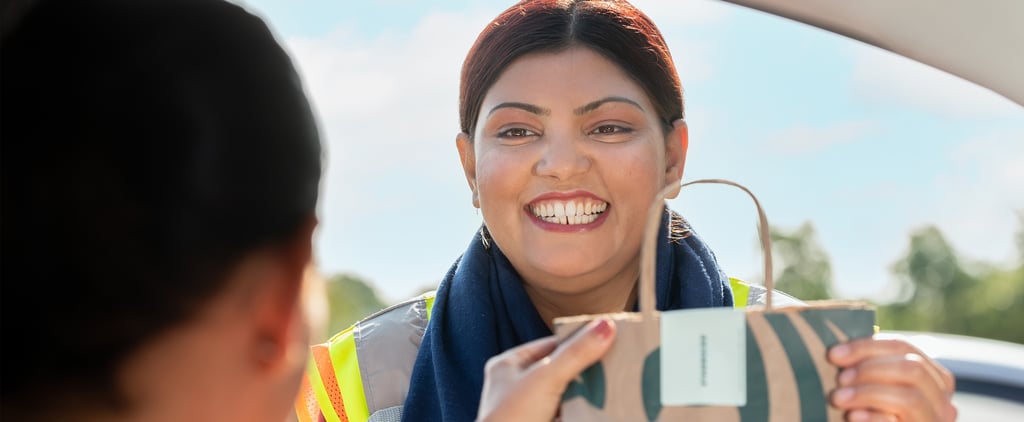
x: 905, y: 403
x: 578, y: 352
x: 869, y: 416
x: 522, y: 356
x: 910, y: 370
x: 891, y: 377
x: 854, y: 352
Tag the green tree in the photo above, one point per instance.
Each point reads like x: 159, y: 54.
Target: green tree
x: 932, y: 285
x: 940, y: 292
x: 803, y: 267
x: 350, y: 298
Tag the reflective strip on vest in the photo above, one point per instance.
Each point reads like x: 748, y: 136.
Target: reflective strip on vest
x: 327, y: 389
x: 388, y: 342
x: 306, y: 408
x: 349, y: 379
x: 758, y: 295
x: 740, y: 292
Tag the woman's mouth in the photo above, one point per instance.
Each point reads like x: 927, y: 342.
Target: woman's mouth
x: 568, y: 212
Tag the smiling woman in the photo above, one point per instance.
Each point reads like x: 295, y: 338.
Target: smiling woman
x: 571, y: 117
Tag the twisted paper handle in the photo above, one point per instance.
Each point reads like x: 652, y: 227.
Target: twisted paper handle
x: 650, y: 245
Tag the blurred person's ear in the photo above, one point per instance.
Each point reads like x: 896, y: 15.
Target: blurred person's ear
x: 676, y: 144
x: 282, y: 325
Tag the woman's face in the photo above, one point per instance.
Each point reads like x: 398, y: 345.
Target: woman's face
x: 567, y: 157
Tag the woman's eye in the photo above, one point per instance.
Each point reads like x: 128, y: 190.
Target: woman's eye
x: 611, y: 130
x: 516, y: 132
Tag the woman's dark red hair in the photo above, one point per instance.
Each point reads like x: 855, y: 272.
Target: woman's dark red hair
x: 614, y: 28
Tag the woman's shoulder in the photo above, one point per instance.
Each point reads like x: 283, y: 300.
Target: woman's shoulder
x: 410, y: 313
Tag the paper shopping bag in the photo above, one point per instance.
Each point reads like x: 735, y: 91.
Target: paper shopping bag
x: 756, y: 364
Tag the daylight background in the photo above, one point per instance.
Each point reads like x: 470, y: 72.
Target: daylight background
x: 885, y: 179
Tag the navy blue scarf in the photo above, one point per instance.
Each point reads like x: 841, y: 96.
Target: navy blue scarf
x: 481, y: 310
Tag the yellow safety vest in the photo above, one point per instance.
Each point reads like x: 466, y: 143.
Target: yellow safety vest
x: 362, y: 374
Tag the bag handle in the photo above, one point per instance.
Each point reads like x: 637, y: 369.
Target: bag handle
x: 650, y: 245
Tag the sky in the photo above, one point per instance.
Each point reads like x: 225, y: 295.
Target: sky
x: 864, y: 144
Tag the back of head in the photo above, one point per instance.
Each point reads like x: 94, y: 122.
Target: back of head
x: 614, y: 28
x: 148, y: 146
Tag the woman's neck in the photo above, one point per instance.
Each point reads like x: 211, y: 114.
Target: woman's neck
x: 618, y: 294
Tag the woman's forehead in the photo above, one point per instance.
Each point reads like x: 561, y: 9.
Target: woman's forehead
x: 564, y: 78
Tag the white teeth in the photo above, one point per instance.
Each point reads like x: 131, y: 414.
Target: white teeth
x: 570, y: 212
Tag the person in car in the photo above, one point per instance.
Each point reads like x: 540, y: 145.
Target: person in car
x: 161, y: 167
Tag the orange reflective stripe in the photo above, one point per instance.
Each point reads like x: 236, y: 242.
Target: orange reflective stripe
x: 325, y: 385
x: 306, y: 407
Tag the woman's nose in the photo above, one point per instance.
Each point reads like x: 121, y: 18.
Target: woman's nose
x: 563, y: 158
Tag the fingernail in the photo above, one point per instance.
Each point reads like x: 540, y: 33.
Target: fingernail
x: 842, y: 395
x: 602, y: 329
x: 859, y: 416
x: 840, y: 351
x: 846, y: 377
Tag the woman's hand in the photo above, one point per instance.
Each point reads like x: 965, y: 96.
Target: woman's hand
x: 526, y: 383
x: 891, y: 380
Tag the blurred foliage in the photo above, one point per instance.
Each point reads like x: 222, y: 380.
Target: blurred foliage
x: 941, y: 292
x: 350, y: 299
x: 937, y: 289
x: 802, y: 267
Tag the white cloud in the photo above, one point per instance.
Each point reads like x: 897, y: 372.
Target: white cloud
x: 883, y: 77
x: 388, y: 104
x: 675, y: 19
x: 982, y: 190
x: 807, y: 139
x: 388, y: 109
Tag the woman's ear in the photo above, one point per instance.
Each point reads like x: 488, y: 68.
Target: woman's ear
x: 467, y: 155
x: 676, y: 144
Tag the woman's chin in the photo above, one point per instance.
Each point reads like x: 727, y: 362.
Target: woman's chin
x: 568, y: 275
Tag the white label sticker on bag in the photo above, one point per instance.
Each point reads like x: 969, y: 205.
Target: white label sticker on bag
x: 704, y: 357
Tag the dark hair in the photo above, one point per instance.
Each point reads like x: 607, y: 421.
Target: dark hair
x: 613, y: 28
x: 148, y: 146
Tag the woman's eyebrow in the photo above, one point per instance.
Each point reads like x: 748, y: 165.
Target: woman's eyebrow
x: 594, y: 105
x: 530, y: 108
